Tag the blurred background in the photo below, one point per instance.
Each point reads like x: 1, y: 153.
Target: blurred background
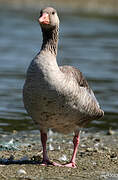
x: 88, y: 40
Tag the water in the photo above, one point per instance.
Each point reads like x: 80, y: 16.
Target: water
x: 87, y: 42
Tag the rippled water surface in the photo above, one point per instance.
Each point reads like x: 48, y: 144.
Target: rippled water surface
x: 87, y: 42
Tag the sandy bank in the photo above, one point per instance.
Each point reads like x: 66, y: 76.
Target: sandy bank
x: 97, y: 158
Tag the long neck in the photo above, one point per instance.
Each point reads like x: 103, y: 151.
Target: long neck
x: 50, y: 40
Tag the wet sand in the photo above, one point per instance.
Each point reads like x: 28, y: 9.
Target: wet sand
x: 97, y: 158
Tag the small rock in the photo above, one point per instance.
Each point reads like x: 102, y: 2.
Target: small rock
x: 113, y: 156
x: 70, y: 142
x: 96, y: 150
x: 94, y: 163
x: 51, y: 148
x: 110, y: 132
x: 97, y: 139
x: 50, y: 140
x: 83, y: 145
x: 36, y: 158
x: 11, y: 142
x: 82, y: 153
x: 29, y: 145
x: 89, y: 149
x: 14, y: 132
x: 59, y: 148
x: 96, y: 145
x: 84, y: 168
x: 106, y: 149
x: 63, y: 158
x: 50, y: 132
x: 21, y: 172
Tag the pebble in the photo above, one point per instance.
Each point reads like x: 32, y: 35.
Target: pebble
x: 96, y: 139
x: 59, y: 148
x: 110, y: 132
x: 50, y: 133
x: 70, y: 142
x: 50, y: 140
x: 82, y: 145
x: 21, y: 172
x: 51, y: 148
x: 89, y: 149
x: 113, y: 156
x: 106, y: 148
x: 63, y: 158
x: 11, y: 142
x: 36, y: 158
x: 96, y: 145
x: 82, y: 153
x: 94, y: 163
x: 15, y: 132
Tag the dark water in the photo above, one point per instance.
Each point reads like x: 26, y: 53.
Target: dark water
x: 87, y: 42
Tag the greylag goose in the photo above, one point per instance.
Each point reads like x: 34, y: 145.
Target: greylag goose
x: 57, y: 98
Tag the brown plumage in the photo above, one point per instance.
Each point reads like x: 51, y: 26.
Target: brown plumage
x: 57, y: 97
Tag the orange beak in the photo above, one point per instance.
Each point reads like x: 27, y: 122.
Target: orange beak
x: 44, y: 19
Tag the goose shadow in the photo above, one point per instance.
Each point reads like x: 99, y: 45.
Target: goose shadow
x: 23, y: 160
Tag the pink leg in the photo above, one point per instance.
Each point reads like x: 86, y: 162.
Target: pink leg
x: 46, y: 161
x: 76, y: 144
x: 43, y: 141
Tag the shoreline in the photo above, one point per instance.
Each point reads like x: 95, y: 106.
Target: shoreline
x: 97, y: 158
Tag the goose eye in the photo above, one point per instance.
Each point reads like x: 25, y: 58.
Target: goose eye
x: 53, y: 12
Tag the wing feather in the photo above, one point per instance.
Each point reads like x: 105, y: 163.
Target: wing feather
x: 90, y: 101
